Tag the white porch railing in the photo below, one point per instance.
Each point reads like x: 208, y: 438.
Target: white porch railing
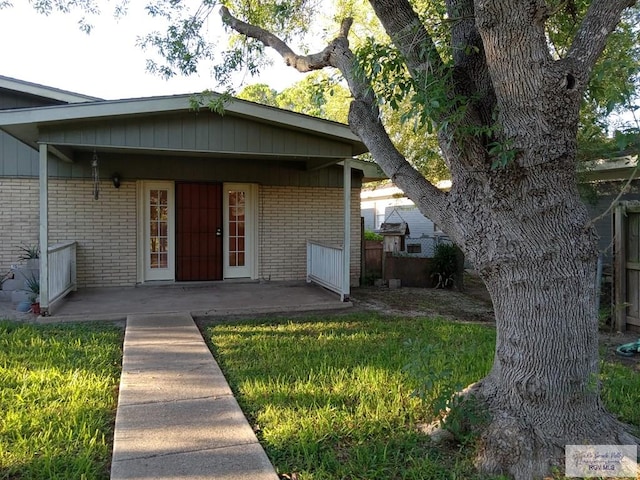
x: 62, y: 271
x: 325, y: 267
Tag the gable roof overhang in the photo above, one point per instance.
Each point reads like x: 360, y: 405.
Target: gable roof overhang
x: 43, y: 91
x: 169, y: 126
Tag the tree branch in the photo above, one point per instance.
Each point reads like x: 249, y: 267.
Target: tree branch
x: 471, y: 73
x: 408, y: 34
x: 591, y: 39
x: 364, y: 115
x: 302, y: 63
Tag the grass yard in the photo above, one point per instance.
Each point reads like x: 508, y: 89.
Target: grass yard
x: 57, y: 400
x: 333, y: 398
x: 339, y: 398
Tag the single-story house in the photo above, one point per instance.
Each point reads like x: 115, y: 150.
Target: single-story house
x: 152, y: 190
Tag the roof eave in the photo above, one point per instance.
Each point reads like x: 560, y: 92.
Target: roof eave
x: 44, y: 91
x: 11, y: 120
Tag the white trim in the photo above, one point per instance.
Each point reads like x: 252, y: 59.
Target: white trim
x: 250, y: 270
x: 44, y: 227
x: 346, y: 249
x: 38, y: 90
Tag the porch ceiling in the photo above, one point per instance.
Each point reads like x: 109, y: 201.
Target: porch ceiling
x: 81, y: 153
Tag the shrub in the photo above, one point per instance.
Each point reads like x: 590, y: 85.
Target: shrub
x: 445, y: 265
x: 369, y: 235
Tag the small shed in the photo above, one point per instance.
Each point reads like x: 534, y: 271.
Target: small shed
x: 394, y: 235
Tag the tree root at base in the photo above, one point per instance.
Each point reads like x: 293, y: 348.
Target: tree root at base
x: 508, y: 444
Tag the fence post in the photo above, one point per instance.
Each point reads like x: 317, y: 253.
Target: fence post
x: 619, y: 265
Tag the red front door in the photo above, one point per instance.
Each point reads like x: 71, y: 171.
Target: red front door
x: 198, y: 231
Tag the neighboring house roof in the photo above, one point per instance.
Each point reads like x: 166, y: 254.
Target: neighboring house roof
x: 43, y: 91
x: 607, y: 169
x: 610, y: 169
x: 388, y: 191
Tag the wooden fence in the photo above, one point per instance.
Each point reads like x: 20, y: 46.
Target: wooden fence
x: 626, y: 228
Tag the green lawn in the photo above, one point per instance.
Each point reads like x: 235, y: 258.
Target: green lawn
x: 58, y: 395
x: 339, y: 398
x: 331, y: 397
x: 334, y: 398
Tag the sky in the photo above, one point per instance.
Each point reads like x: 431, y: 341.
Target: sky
x: 52, y: 51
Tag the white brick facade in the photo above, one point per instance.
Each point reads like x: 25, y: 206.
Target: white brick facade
x: 19, y: 213
x: 289, y: 216
x: 105, y: 229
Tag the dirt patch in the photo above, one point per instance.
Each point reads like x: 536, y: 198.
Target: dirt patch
x: 472, y: 304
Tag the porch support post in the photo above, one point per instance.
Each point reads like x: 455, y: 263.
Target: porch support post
x: 346, y: 250
x: 44, y: 229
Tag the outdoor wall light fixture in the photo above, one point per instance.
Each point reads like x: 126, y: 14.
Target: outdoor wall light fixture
x: 115, y: 178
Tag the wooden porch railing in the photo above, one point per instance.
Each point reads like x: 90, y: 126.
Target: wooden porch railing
x: 62, y: 272
x: 325, y: 267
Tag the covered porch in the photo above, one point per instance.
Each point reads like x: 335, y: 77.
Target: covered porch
x: 132, y: 222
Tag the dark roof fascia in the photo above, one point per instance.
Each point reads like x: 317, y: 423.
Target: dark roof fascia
x: 609, y: 169
x: 43, y: 91
x: 23, y: 123
x: 371, y: 171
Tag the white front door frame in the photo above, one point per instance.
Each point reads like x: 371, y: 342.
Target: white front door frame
x: 249, y: 267
x: 148, y: 270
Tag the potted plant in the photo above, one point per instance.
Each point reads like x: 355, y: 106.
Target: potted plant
x: 31, y: 254
x: 32, y: 287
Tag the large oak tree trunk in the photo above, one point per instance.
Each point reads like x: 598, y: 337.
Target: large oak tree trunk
x: 525, y: 229
x: 542, y: 391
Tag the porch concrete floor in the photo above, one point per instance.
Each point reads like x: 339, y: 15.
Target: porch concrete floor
x: 197, y: 299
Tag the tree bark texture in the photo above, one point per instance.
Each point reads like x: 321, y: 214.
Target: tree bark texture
x: 522, y: 225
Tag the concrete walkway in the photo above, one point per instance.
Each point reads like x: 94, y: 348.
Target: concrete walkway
x: 177, y: 417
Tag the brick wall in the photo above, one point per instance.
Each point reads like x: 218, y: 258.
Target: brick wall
x: 19, y: 214
x: 104, y: 229
x: 289, y: 216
